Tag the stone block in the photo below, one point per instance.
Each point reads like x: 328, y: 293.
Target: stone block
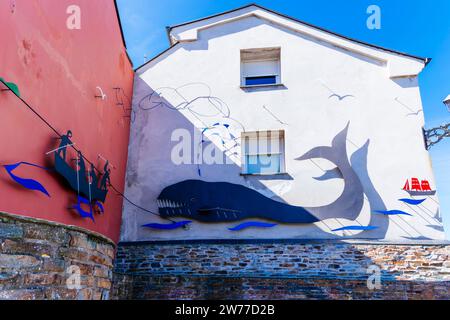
x: 74, y: 254
x: 106, y: 249
x: 17, y: 262
x: 50, y: 234
x: 10, y: 231
x: 60, y: 293
x: 100, y: 259
x: 80, y: 240
x: 104, y: 283
x: 53, y: 265
x: 22, y: 294
x: 85, y: 294
x: 43, y: 279
x: 102, y: 272
x: 8, y: 278
x: 86, y: 269
x: 28, y: 247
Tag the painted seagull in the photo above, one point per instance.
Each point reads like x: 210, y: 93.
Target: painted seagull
x: 341, y: 97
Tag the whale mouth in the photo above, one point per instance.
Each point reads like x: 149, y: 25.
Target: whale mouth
x: 168, y: 207
x: 163, y: 203
x: 171, y: 208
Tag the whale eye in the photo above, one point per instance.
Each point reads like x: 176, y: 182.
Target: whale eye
x: 193, y: 200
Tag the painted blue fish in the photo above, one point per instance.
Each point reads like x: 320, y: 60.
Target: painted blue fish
x: 26, y: 183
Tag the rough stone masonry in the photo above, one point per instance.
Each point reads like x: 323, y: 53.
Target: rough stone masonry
x: 281, y: 270
x: 37, y: 258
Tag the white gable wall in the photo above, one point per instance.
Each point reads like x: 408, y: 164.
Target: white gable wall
x: 309, y: 70
x: 399, y: 66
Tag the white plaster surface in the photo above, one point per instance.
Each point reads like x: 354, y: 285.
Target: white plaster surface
x: 311, y: 70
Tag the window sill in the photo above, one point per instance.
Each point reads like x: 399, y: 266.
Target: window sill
x: 262, y: 86
x: 264, y: 174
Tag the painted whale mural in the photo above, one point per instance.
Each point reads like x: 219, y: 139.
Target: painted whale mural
x: 350, y: 202
x: 226, y: 202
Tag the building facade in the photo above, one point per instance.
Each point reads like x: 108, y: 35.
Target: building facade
x: 251, y: 116
x: 50, y: 61
x: 259, y: 157
x: 278, y: 160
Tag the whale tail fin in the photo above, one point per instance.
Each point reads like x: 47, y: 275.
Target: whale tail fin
x: 350, y: 202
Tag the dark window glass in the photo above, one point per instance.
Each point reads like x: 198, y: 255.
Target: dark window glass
x: 252, y: 81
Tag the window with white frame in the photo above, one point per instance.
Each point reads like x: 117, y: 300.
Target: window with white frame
x: 263, y: 152
x: 260, y: 67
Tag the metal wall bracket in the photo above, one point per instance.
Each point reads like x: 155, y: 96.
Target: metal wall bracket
x: 436, y: 135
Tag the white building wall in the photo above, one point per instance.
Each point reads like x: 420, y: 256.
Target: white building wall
x: 379, y: 111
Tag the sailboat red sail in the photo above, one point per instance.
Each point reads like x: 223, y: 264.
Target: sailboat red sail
x: 418, y: 187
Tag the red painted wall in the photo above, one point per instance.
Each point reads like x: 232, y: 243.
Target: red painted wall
x: 57, y: 71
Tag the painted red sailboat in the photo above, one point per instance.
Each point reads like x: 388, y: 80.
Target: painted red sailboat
x: 419, y: 188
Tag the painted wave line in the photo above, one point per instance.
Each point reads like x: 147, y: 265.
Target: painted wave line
x: 413, y: 202
x: 355, y: 228
x: 393, y: 212
x: 252, y: 224
x: 168, y: 226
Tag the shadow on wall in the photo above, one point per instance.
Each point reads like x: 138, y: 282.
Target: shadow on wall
x: 279, y: 270
x: 255, y: 22
x: 359, y: 160
x: 150, y: 168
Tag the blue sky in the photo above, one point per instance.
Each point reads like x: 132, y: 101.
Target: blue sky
x: 413, y: 26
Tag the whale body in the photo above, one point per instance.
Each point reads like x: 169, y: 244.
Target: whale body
x: 225, y: 202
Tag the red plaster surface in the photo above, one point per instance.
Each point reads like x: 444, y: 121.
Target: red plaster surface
x: 57, y: 71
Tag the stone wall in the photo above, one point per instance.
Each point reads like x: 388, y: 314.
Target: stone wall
x: 37, y: 260
x: 281, y: 270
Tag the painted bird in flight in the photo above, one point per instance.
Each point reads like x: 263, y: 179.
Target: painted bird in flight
x: 341, y: 97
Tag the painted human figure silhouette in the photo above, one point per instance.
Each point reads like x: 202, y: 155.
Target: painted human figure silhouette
x: 65, y: 141
x: 93, y: 176
x: 81, y: 165
x: 105, y: 179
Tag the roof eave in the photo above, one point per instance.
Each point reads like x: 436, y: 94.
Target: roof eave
x: 170, y: 28
x: 121, y: 32
x: 155, y: 57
